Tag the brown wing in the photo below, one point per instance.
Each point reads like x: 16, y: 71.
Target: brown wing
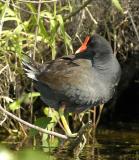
x: 63, y: 72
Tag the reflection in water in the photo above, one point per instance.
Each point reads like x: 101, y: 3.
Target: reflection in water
x: 108, y: 145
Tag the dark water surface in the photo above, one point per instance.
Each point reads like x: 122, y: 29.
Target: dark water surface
x: 116, y: 144
x: 110, y: 144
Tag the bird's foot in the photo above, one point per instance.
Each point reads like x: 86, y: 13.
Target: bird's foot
x: 72, y: 135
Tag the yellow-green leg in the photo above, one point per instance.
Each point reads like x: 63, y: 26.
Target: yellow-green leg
x: 96, y: 121
x: 99, y: 114
x: 64, y: 122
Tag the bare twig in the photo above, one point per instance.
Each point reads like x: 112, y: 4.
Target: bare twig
x: 3, y: 68
x: 134, y: 26
x: 17, y: 7
x: 4, y: 119
x: 65, y: 18
x: 7, y: 99
x: 33, y: 126
x: 80, y: 25
x: 91, y: 16
x: 77, y: 10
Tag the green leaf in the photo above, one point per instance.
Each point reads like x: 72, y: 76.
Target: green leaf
x: 51, y: 113
x: 24, y: 98
x: 33, y: 94
x: 33, y: 18
x: 11, y: 19
x: 43, y: 31
x: 29, y: 154
x: 66, y: 37
x: 41, y: 122
x: 46, y: 14
x: 15, y: 105
x: 117, y: 4
x: 49, y: 144
x: 46, y: 141
x: 4, y: 9
x: 54, y: 9
x: 18, y: 29
x: 10, y: 12
x: 32, y: 9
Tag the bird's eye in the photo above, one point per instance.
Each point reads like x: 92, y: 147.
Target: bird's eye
x: 91, y: 42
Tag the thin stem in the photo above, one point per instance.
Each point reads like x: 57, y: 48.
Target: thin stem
x: 37, y: 28
x: 3, y: 15
x: 134, y: 26
x: 67, y: 17
x: 77, y: 10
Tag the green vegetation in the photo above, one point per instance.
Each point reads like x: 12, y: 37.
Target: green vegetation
x: 26, y: 29
x: 46, y: 31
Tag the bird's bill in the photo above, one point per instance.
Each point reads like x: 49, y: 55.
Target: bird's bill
x: 83, y: 46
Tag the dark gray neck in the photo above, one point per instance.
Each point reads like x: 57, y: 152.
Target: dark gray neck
x: 108, y: 70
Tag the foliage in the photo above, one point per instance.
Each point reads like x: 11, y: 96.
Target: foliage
x: 117, y: 5
x: 21, y: 32
x: 27, y: 154
x: 48, y: 38
x: 26, y: 98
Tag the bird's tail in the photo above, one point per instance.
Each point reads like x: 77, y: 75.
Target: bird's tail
x: 30, y: 67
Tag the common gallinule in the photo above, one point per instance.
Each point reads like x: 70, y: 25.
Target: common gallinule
x: 77, y: 82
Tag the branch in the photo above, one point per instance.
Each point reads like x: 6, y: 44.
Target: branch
x: 33, y: 126
x: 3, y: 68
x: 65, y: 18
x: 77, y: 10
x: 134, y: 26
x: 4, y: 119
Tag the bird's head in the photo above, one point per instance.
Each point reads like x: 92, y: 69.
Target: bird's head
x: 97, y: 45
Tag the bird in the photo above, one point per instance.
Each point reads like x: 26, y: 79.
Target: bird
x: 77, y: 82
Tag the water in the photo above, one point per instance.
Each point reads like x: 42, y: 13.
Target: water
x: 119, y: 144
x: 112, y: 145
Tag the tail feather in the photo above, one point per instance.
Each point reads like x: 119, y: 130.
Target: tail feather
x: 30, y: 67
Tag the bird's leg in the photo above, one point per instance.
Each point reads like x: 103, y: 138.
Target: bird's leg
x: 64, y: 122
x: 96, y: 121
x: 99, y: 114
x: 81, y: 145
x: 94, y: 117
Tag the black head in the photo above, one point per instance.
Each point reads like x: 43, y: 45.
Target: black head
x: 96, y: 45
